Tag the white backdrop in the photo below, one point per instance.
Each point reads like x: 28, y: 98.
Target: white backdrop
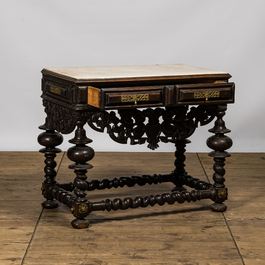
x: 221, y: 35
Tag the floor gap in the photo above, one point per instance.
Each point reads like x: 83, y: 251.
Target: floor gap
x: 203, y: 168
x: 233, y: 239
x: 31, y: 239
x: 231, y: 234
x: 38, y: 221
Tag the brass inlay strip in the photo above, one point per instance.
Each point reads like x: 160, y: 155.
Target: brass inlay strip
x: 55, y: 90
x: 135, y: 98
x: 206, y: 95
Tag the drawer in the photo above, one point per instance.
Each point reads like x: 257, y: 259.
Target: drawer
x: 57, y: 91
x: 126, y: 97
x: 64, y: 93
x: 205, y: 93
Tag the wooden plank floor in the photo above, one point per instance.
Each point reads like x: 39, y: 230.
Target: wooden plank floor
x: 186, y: 233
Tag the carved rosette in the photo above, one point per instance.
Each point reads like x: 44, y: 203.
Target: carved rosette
x: 152, y: 125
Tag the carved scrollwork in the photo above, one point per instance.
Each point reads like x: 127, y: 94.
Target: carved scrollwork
x: 140, y: 126
x: 59, y: 118
x: 152, y: 125
x: 62, y: 119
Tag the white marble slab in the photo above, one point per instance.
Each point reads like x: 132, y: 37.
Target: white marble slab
x: 135, y: 72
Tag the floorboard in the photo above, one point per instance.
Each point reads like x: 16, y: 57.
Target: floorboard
x: 187, y: 233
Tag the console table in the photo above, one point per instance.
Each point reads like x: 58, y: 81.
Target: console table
x: 153, y: 103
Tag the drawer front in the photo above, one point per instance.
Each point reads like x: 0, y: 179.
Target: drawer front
x: 126, y: 97
x: 205, y: 93
x: 64, y: 93
x: 133, y: 98
x: 57, y: 91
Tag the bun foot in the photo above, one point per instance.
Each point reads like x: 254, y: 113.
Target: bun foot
x: 80, y: 223
x: 218, y: 207
x: 178, y: 188
x: 50, y: 204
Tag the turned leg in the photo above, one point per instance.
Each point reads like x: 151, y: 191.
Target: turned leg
x: 80, y: 154
x: 50, y: 139
x: 179, y: 163
x: 219, y: 143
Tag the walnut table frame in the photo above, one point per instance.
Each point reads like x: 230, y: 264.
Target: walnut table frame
x: 154, y: 103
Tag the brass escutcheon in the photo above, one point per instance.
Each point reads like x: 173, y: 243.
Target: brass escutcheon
x: 135, y: 98
x: 55, y: 90
x: 206, y: 95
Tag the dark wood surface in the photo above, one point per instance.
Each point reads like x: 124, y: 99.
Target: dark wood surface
x: 74, y: 97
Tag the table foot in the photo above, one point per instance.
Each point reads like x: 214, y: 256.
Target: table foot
x: 50, y: 204
x: 80, y: 223
x: 218, y: 207
x: 178, y: 188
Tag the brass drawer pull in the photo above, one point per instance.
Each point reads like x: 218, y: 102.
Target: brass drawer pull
x: 135, y: 98
x: 206, y: 95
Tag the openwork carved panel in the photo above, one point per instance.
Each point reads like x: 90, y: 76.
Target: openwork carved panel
x: 60, y: 118
x: 152, y: 125
x: 140, y: 126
